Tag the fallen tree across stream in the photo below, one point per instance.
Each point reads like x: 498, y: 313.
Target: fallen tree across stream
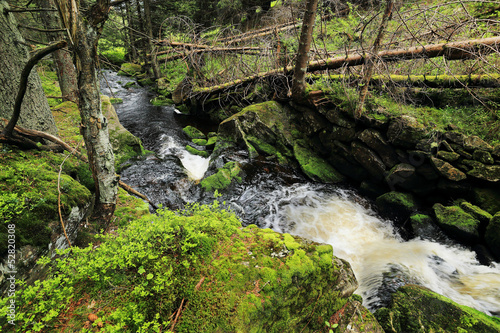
x: 451, y: 51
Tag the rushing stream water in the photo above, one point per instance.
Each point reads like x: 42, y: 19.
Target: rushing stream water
x: 286, y: 202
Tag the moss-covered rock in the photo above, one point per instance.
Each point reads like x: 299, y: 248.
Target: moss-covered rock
x: 370, y: 160
x: 199, y: 263
x: 483, y: 216
x: 125, y: 144
x: 129, y: 69
x: 315, y: 167
x: 479, y: 170
x: 194, y: 151
x: 223, y: 178
x: 397, y: 204
x: 418, y: 310
x: 193, y: 132
x: 115, y: 100
x: 492, y: 235
x: 457, y: 223
x: 129, y: 84
x: 162, y: 101
x: 483, y: 157
x: 405, y: 131
x: 448, y: 155
x: 487, y: 198
x: 447, y: 170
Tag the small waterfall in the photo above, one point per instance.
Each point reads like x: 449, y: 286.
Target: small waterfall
x: 195, y: 165
x: 381, y: 260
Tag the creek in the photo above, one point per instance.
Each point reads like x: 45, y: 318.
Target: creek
x: 271, y: 196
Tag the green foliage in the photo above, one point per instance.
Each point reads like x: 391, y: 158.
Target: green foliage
x: 112, y: 53
x: 50, y: 85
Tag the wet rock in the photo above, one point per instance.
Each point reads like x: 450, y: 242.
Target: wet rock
x: 427, y: 145
x: 418, y: 309
x: 347, y: 168
x: 483, y: 157
x: 427, y: 171
x: 403, y: 175
x: 422, y: 226
x: 457, y: 223
x: 446, y: 170
x: 492, y: 235
x: 489, y: 173
x: 444, y: 145
x: 376, y: 141
x: 315, y: 167
x: 337, y: 117
x: 347, y: 280
x: 397, y: 205
x: 496, y: 151
x: 405, y: 131
x: 311, y: 122
x: 371, y: 189
x: 369, y: 160
x: 448, y: 156
x: 474, y: 142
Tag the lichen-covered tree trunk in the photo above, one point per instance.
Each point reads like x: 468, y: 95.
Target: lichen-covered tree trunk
x: 298, y: 81
x: 35, y: 111
x: 85, y: 27
x: 65, y: 69
x: 149, y: 28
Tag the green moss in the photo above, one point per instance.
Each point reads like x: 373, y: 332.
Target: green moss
x: 129, y: 69
x: 420, y: 218
x: 162, y: 101
x: 28, y: 194
x: 200, y: 142
x: 114, y: 100
x: 229, y: 276
x: 50, y: 85
x: 419, y: 310
x: 193, y: 132
x: 457, y: 223
x: 315, y: 167
x: 129, y: 84
x: 194, y: 151
x: 487, y: 198
x: 223, y: 178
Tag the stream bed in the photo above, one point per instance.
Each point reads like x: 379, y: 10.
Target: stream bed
x: 273, y: 197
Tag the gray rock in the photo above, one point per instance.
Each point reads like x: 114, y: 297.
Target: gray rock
x: 446, y: 170
x: 369, y: 160
x: 376, y: 141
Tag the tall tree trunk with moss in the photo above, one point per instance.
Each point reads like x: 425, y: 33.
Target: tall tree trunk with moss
x: 65, y: 69
x: 149, y: 28
x: 370, y: 58
x: 14, y: 54
x: 85, y: 27
x: 299, y: 73
x: 132, y: 51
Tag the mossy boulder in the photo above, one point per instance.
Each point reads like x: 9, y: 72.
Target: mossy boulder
x: 315, y: 167
x: 487, y: 198
x: 447, y: 170
x: 492, y: 235
x: 223, y: 177
x: 397, y: 205
x: 125, y: 144
x: 193, y: 132
x: 405, y: 131
x: 490, y: 173
x: 457, y: 223
x: 474, y: 142
x: 374, y: 139
x: 483, y: 157
x: 263, y: 128
x: 422, y: 225
x: 194, y: 151
x: 162, y: 101
x: 129, y: 69
x: 448, y: 155
x: 419, y: 310
x: 483, y: 216
x: 203, y: 265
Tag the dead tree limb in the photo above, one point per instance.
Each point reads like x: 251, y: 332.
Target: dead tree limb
x: 39, y: 29
x: 23, y: 83
x: 451, y: 51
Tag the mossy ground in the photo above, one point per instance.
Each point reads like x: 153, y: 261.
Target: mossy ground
x: 28, y: 199
x: 221, y: 278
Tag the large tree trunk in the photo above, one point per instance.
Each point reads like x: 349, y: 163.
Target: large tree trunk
x: 298, y: 81
x: 85, y: 28
x: 149, y: 28
x: 65, y: 69
x: 14, y: 54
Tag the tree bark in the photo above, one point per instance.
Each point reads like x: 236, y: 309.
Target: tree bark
x: 298, y: 81
x: 65, y: 69
x: 14, y: 54
x: 152, y: 49
x: 85, y: 27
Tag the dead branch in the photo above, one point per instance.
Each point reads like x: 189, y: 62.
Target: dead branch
x: 39, y: 29
x: 451, y: 51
